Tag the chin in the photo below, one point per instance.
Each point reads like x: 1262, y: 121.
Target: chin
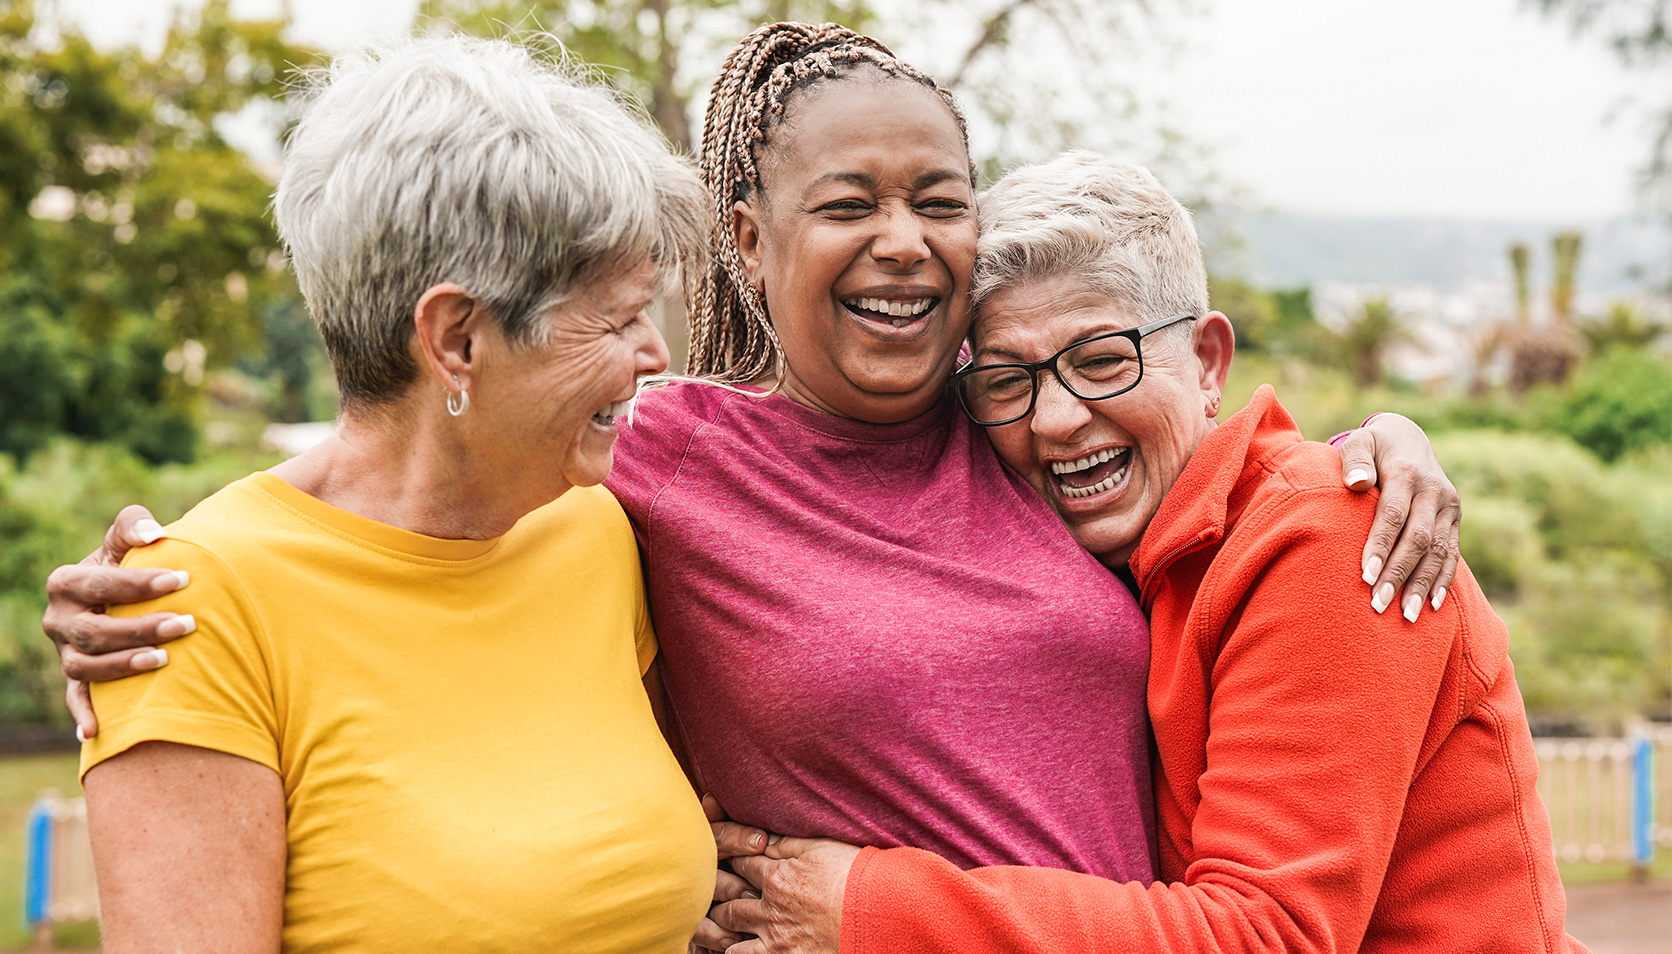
x: 904, y: 374
x: 1110, y: 544
x: 591, y: 470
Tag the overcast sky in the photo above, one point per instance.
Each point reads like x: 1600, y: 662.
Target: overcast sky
x: 1469, y: 108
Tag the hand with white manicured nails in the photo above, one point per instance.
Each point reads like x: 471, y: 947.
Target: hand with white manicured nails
x: 1413, y: 539
x: 94, y: 646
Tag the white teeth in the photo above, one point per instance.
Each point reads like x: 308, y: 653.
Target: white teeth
x: 1090, y: 460
x: 1106, y: 483
x: 896, y: 309
x: 610, y: 413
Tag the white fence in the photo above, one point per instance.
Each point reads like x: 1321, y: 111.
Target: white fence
x: 1608, y: 799
x: 58, y: 881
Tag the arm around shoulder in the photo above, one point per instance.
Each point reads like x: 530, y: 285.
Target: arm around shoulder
x: 1314, y: 715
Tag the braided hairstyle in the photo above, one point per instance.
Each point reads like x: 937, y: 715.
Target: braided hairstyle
x: 731, y: 336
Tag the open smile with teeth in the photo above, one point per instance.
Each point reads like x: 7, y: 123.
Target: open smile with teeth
x: 607, y: 416
x: 899, y: 313
x: 1093, y: 473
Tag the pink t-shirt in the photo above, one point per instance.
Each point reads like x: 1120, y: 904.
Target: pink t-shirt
x: 877, y: 633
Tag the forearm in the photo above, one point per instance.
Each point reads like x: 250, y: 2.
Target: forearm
x: 189, y: 851
x: 906, y: 901
x: 1317, y: 715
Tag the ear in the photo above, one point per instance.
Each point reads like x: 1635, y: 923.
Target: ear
x: 449, y: 325
x: 1215, y: 343
x: 746, y: 231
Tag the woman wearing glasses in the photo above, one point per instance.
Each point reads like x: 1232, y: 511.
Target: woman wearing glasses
x: 869, y: 628
x: 1329, y: 779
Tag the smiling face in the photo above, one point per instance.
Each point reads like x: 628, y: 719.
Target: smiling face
x: 1103, y: 466
x: 862, y: 237
x: 563, y: 394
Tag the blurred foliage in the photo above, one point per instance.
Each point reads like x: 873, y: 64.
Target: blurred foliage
x: 1567, y: 502
x: 1007, y: 60
x: 55, y: 508
x: 642, y: 45
x: 1577, y: 557
x: 1621, y: 402
x: 135, y: 246
x: 140, y: 276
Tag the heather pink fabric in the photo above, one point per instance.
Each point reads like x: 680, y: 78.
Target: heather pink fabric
x: 878, y: 633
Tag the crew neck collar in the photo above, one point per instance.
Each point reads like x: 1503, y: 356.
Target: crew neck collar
x: 937, y: 417
x: 377, y: 535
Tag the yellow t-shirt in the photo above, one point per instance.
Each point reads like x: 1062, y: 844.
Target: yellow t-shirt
x: 468, y: 756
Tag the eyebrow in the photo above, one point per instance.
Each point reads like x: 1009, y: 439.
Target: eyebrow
x: 865, y: 180
x: 1099, y: 331
x: 1001, y: 353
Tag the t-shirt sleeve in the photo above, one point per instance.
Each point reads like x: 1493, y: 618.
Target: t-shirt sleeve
x: 216, y: 691
x: 648, y: 452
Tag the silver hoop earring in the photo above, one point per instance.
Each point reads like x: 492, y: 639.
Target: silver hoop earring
x: 458, y: 403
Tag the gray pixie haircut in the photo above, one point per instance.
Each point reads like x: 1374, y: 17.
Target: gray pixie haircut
x: 454, y: 159
x: 1107, y: 223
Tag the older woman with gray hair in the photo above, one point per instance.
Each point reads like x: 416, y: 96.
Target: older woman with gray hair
x: 1327, y: 778
x: 364, y: 753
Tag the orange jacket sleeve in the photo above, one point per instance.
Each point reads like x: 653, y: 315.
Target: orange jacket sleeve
x: 1318, y: 710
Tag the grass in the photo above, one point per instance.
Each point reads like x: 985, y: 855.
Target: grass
x: 21, y: 779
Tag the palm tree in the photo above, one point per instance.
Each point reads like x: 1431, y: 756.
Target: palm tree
x: 1366, y: 338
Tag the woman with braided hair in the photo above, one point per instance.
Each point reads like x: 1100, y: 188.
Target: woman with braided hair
x: 869, y: 628
x: 867, y: 623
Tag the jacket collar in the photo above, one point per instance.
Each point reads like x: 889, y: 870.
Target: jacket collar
x: 1198, y: 508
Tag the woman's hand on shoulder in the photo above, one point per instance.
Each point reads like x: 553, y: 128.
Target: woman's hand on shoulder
x: 1413, y: 540
x: 94, y: 646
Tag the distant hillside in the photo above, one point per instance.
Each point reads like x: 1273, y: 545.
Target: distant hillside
x: 1619, y: 256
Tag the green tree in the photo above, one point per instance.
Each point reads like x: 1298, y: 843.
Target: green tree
x: 1624, y: 326
x: 1364, y: 342
x: 1252, y: 311
x: 1621, y: 402
x: 645, y: 47
x: 134, y: 239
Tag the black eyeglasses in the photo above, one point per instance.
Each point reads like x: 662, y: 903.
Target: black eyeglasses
x: 1092, y: 370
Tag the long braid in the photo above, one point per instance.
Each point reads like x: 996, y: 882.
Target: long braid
x: 731, y: 336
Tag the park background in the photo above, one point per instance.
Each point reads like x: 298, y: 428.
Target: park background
x: 1460, y: 210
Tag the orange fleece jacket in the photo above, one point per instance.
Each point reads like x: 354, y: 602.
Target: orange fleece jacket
x: 1327, y: 779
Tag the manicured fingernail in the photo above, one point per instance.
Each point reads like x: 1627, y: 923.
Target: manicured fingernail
x: 756, y: 839
x: 1438, y: 597
x: 1372, y: 569
x: 150, y: 531
x: 774, y: 839
x: 171, y: 581
x: 1357, y: 475
x: 1382, y: 597
x: 1413, y: 606
x: 150, y: 659
x: 751, y: 895
x: 178, y: 626
x: 80, y: 736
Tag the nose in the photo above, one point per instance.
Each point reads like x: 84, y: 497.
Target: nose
x: 902, y: 240
x: 652, y: 354
x: 1057, y: 414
